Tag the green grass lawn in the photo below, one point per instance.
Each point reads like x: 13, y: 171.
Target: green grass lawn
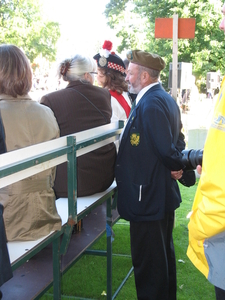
x: 87, y: 278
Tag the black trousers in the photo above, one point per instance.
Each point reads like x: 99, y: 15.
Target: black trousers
x: 153, y: 259
x: 220, y: 294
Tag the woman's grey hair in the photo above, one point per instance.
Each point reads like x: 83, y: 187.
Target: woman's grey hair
x: 75, y: 68
x: 154, y: 74
x: 15, y: 71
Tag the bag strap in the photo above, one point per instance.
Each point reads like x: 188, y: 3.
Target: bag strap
x: 121, y: 101
x: 90, y: 103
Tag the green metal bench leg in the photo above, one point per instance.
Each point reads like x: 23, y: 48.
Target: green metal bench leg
x: 56, y: 269
x: 109, y: 249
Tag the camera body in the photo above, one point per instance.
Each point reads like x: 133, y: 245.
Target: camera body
x: 192, y: 158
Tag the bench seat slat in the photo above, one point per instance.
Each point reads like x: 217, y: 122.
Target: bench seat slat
x: 18, y: 249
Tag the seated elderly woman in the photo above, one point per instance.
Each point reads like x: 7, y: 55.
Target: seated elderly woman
x: 29, y: 205
x: 81, y: 106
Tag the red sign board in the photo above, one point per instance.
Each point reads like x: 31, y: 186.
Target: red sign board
x: 164, y: 28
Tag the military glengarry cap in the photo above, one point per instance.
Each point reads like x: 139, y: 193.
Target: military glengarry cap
x: 107, y: 59
x: 146, y: 59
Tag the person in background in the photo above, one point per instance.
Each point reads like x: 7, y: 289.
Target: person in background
x: 147, y: 167
x: 29, y: 205
x: 2, y: 137
x: 132, y: 96
x: 207, y: 220
x: 126, y: 64
x: 5, y: 266
x: 81, y: 106
x: 111, y: 75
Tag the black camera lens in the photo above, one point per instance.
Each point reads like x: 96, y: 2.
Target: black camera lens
x: 192, y: 158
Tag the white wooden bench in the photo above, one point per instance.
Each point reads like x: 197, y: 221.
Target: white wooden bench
x: 22, y: 163
x: 18, y: 249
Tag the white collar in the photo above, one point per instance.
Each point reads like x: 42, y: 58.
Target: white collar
x: 144, y: 90
x: 9, y: 97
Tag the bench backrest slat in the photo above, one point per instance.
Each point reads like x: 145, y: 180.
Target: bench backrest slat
x: 20, y: 164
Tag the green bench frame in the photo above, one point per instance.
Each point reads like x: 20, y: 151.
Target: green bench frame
x: 22, y: 163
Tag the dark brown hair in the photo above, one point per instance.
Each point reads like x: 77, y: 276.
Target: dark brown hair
x: 15, y: 71
x: 114, y: 80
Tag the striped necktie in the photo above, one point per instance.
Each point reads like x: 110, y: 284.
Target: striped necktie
x: 133, y: 106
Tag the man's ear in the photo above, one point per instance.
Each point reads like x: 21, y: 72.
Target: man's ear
x: 145, y: 77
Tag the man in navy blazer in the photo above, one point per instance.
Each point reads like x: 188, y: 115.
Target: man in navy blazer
x: 148, y: 164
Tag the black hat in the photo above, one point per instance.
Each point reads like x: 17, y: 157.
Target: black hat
x: 107, y: 59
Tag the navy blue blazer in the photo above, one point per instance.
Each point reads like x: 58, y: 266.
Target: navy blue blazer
x: 147, y: 154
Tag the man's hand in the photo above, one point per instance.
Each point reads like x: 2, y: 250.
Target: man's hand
x: 199, y: 169
x: 177, y: 174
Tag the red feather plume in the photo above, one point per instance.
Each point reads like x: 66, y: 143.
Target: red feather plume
x: 107, y: 45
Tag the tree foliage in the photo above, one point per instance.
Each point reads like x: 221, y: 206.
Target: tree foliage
x: 22, y: 24
x: 205, y: 51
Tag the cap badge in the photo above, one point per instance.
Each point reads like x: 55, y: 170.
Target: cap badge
x: 129, y: 55
x: 102, y: 61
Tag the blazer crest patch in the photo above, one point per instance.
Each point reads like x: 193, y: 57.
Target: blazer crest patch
x: 135, y: 139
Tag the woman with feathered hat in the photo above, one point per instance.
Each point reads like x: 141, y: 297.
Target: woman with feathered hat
x: 111, y: 75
